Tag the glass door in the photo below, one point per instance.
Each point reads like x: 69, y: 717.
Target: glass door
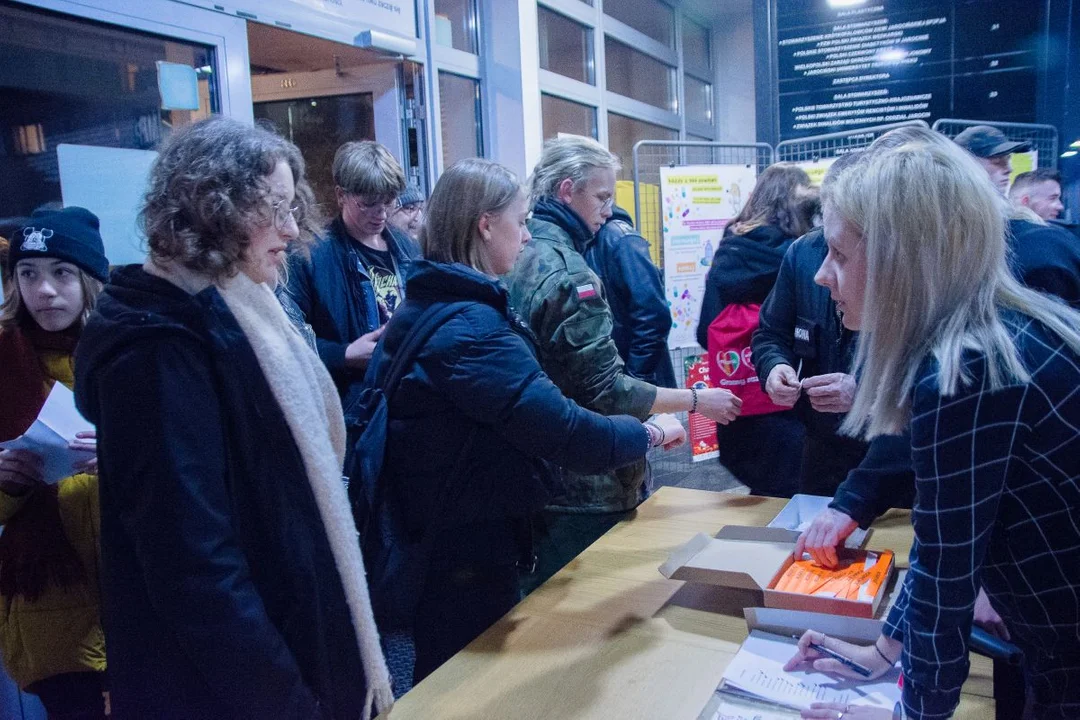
x: 322, y: 109
x: 318, y: 126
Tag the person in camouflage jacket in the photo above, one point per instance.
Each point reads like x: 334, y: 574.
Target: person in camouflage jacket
x: 562, y: 301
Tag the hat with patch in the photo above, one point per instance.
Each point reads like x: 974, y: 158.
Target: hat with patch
x: 986, y: 142
x: 71, y: 234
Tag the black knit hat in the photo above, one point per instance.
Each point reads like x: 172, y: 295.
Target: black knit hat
x: 71, y: 234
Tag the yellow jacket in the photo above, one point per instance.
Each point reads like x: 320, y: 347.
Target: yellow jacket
x: 60, y: 632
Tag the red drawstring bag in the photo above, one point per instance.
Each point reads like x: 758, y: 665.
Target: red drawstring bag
x: 729, y: 358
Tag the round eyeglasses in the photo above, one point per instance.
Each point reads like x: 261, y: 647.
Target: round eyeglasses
x: 282, y: 213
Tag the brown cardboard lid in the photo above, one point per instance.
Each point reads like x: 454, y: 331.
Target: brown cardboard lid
x: 740, y: 557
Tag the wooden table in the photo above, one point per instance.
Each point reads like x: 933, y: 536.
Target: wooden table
x: 610, y: 638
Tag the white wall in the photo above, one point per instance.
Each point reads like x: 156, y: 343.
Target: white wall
x: 734, y: 42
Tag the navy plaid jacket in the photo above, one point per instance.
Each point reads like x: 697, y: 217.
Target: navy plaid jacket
x: 997, y: 503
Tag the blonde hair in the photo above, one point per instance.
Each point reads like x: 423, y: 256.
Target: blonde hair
x: 14, y: 313
x: 569, y: 156
x: 1020, y: 212
x: 368, y: 168
x: 937, y: 277
x: 468, y: 190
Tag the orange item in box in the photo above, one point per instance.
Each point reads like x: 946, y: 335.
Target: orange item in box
x: 844, y: 582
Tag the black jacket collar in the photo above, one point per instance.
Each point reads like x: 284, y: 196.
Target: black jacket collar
x: 562, y: 215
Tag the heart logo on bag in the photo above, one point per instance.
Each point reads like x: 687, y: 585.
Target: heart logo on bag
x: 728, y: 362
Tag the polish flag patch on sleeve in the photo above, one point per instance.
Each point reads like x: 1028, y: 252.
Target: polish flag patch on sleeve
x: 586, y: 291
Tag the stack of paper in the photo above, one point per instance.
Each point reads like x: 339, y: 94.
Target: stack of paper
x: 757, y: 673
x: 54, y: 429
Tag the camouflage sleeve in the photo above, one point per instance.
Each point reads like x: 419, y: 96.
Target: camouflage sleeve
x: 574, y: 331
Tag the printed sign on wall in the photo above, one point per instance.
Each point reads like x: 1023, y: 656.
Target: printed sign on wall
x: 697, y: 202
x: 703, y: 441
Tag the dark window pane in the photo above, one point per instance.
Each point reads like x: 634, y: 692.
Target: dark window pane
x: 459, y: 100
x: 455, y: 24
x: 564, y: 116
x: 624, y: 132
x: 654, y: 18
x: 565, y: 46
x: 77, y: 82
x: 697, y: 49
x: 639, y: 76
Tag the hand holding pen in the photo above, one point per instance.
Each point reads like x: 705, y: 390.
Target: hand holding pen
x: 829, y: 655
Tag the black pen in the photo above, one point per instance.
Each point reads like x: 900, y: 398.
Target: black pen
x: 845, y: 661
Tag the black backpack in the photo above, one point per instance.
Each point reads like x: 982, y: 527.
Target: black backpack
x: 394, y: 560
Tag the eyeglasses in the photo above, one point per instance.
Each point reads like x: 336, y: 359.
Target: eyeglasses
x: 282, y: 213
x: 373, y: 208
x: 414, y: 209
x: 607, y: 204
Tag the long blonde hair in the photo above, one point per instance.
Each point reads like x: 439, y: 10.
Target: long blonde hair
x: 937, y: 276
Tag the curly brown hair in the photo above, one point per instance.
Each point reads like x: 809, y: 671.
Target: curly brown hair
x: 208, y: 188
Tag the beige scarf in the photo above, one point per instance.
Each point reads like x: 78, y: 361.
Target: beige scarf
x: 308, y: 399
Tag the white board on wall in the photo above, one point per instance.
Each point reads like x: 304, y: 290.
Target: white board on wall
x: 109, y: 182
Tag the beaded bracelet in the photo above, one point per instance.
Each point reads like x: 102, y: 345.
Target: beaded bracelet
x: 693, y: 402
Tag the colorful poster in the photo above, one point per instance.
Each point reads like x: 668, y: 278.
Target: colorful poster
x: 703, y: 441
x: 698, y: 201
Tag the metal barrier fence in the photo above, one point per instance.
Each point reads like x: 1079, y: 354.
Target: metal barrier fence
x: 1043, y: 138
x: 819, y: 147
x: 649, y: 156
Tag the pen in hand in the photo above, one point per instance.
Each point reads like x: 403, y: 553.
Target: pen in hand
x: 843, y: 660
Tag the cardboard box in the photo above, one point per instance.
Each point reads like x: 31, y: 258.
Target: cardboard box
x: 802, y: 509
x: 754, y: 558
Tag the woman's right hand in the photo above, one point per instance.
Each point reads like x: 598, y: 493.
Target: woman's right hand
x: 20, y: 471
x: 719, y: 405
x: 828, y: 531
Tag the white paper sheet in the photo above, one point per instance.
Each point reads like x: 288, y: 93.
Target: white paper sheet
x: 757, y: 670
x: 55, y: 427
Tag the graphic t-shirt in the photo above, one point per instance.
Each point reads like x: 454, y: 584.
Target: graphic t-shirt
x: 384, y: 281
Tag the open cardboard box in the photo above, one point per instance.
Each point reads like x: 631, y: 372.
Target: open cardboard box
x: 802, y: 509
x: 754, y: 558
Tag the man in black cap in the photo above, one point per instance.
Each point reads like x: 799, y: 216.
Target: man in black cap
x: 993, y: 151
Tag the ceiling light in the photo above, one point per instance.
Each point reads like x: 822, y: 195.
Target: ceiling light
x: 1068, y: 153
x: 1075, y: 144
x: 845, y: 3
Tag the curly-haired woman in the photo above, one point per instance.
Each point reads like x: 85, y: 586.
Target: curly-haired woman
x: 233, y: 584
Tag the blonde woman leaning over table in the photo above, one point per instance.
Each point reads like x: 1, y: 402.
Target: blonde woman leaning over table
x: 986, y: 373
